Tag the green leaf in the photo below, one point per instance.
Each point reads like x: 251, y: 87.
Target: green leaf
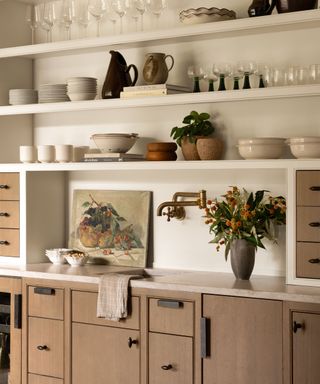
x: 204, y: 116
x: 86, y: 204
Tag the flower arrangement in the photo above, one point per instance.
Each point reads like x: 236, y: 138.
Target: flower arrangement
x: 244, y: 215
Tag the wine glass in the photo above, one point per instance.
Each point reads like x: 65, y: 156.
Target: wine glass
x: 140, y: 6
x: 112, y: 16
x: 133, y: 13
x: 97, y: 9
x: 247, y: 68
x: 237, y: 76
x: 156, y: 7
x: 121, y: 8
x: 196, y: 73
x: 49, y: 18
x: 33, y: 19
x: 211, y: 77
x: 67, y: 15
x: 223, y: 70
x: 82, y: 15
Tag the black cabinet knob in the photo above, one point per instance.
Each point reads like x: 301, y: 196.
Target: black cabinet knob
x: 5, y: 214
x: 314, y: 224
x: 4, y: 186
x: 297, y: 326
x: 315, y: 188
x: 42, y: 348
x: 4, y: 242
x: 166, y: 367
x: 314, y: 261
x: 131, y: 342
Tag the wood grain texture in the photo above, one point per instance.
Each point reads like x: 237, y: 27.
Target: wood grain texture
x: 11, y: 217
x: 305, y: 252
x: 12, y: 248
x: 305, y: 181
x: 47, y: 306
x: 12, y: 181
x: 37, y: 379
x: 306, y: 216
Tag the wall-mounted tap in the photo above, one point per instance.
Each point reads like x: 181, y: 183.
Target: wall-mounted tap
x: 175, y: 208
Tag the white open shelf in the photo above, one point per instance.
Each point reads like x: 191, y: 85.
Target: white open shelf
x: 166, y: 100
x: 264, y: 24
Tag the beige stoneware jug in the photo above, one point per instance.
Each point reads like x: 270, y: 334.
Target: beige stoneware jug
x: 155, y: 70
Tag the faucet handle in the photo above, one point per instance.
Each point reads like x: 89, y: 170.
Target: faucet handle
x: 170, y: 213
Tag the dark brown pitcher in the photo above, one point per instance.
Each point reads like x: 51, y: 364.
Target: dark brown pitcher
x: 261, y: 7
x: 118, y: 76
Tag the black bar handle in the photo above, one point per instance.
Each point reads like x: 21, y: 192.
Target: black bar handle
x: 4, y: 186
x: 42, y: 348
x: 4, y: 242
x: 44, y: 291
x: 18, y: 311
x: 315, y: 224
x: 5, y: 214
x: 314, y: 261
x: 297, y: 326
x: 174, y: 304
x: 205, y: 337
x: 131, y: 342
x: 166, y: 367
x: 315, y: 189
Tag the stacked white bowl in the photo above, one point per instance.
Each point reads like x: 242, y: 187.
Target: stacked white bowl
x: 53, y: 93
x: 307, y: 147
x: 23, y: 96
x: 261, y: 147
x: 82, y: 88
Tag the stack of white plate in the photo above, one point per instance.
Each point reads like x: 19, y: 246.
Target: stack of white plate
x: 53, y: 93
x: 82, y: 88
x: 23, y: 96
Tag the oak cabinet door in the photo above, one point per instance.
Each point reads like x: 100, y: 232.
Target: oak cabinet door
x: 306, y: 348
x: 102, y: 355
x: 245, y: 341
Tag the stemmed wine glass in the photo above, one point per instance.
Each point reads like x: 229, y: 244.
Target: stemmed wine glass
x: 49, y: 18
x: 156, y: 7
x: 237, y: 76
x: 33, y: 19
x: 67, y: 15
x: 112, y: 16
x: 83, y: 15
x: 133, y: 13
x: 223, y: 70
x: 196, y: 73
x: 140, y: 6
x: 247, y: 68
x: 120, y: 7
x: 211, y: 77
x: 97, y: 9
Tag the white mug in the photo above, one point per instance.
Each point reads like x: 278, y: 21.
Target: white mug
x: 28, y: 154
x: 45, y: 153
x: 64, y: 153
x: 78, y: 152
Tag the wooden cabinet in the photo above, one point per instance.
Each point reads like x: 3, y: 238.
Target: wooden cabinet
x: 308, y: 224
x: 104, y: 351
x: 302, y: 325
x: 245, y: 341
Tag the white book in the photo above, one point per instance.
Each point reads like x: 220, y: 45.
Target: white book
x: 137, y: 88
x: 115, y: 155
x: 150, y: 93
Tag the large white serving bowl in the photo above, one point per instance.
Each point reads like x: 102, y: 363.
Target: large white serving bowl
x: 261, y: 148
x: 115, y: 142
x: 56, y: 255
x: 305, y: 147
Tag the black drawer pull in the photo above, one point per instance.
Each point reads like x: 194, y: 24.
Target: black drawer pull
x: 4, y: 242
x: 4, y: 186
x: 5, y: 214
x: 131, y: 342
x: 44, y: 291
x: 170, y: 304
x: 314, y: 189
x: 42, y: 348
x: 314, y: 261
x: 166, y: 367
x: 297, y: 326
x: 315, y: 224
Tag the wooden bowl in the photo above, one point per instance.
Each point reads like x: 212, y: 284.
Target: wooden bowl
x: 162, y: 147
x: 161, y: 156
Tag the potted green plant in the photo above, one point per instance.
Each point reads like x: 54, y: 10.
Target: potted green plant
x: 197, y: 126
x: 240, y: 221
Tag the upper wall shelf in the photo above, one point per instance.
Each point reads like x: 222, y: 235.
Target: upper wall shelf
x: 264, y: 24
x: 167, y: 100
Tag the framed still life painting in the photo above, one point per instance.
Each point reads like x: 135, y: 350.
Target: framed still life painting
x: 112, y: 227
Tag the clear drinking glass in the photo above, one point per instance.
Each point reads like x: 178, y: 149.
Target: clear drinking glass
x: 121, y: 8
x: 290, y: 75
x: 247, y: 68
x: 33, y: 19
x: 314, y: 73
x: 303, y: 75
x: 133, y: 13
x: 156, y: 7
x: 49, y: 18
x: 222, y: 70
x: 112, y: 16
x: 278, y: 76
x: 140, y: 6
x: 196, y: 73
x: 82, y: 15
x: 97, y: 9
x: 67, y: 15
x: 210, y: 77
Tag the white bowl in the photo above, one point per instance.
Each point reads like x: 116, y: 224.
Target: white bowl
x: 76, y: 258
x: 261, y: 151
x: 115, y: 142
x: 262, y: 140
x: 305, y: 148
x: 56, y: 255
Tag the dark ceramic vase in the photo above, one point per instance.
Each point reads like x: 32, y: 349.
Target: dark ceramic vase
x: 242, y: 258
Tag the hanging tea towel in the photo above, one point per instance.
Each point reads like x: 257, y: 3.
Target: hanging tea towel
x: 113, y: 295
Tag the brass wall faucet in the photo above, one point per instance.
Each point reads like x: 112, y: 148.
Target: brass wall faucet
x: 175, y: 208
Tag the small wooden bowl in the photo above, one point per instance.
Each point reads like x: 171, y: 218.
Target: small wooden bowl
x: 161, y: 156
x: 162, y: 147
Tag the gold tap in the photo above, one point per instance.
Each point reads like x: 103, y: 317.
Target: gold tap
x: 176, y: 207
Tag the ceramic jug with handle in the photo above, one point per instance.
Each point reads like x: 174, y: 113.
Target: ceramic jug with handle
x: 118, y: 76
x: 261, y: 7
x: 155, y: 70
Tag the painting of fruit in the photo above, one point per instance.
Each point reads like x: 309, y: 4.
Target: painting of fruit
x: 112, y: 225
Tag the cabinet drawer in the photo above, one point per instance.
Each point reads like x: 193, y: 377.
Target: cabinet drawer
x: 305, y: 253
x: 9, y: 214
x: 308, y: 224
x: 9, y: 242
x: 171, y: 316
x: 9, y: 186
x: 84, y: 310
x: 37, y: 379
x: 45, y: 302
x: 45, y: 347
x: 170, y: 359
x: 308, y: 188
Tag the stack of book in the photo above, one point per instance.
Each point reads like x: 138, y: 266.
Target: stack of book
x: 95, y: 157
x: 152, y: 90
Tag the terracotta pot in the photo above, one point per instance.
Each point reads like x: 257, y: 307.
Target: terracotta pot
x: 242, y: 258
x: 210, y: 148
x: 189, y: 150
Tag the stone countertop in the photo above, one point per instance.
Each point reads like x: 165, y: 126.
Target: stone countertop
x: 262, y: 287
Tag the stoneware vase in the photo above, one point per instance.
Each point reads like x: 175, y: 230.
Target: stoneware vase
x: 210, y: 148
x: 242, y: 258
x: 189, y: 150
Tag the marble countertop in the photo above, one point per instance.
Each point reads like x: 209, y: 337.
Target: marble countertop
x: 263, y: 287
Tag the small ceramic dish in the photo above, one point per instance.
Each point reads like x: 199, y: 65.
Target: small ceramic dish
x: 56, y: 255
x: 261, y: 148
x: 75, y: 257
x: 115, y: 142
x: 205, y: 15
x: 305, y: 147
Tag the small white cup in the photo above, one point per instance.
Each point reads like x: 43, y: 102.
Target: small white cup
x: 64, y: 153
x: 28, y: 154
x: 78, y: 152
x: 45, y: 153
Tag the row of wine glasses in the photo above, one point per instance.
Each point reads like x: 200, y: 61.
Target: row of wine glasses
x: 67, y: 12
x: 240, y: 75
